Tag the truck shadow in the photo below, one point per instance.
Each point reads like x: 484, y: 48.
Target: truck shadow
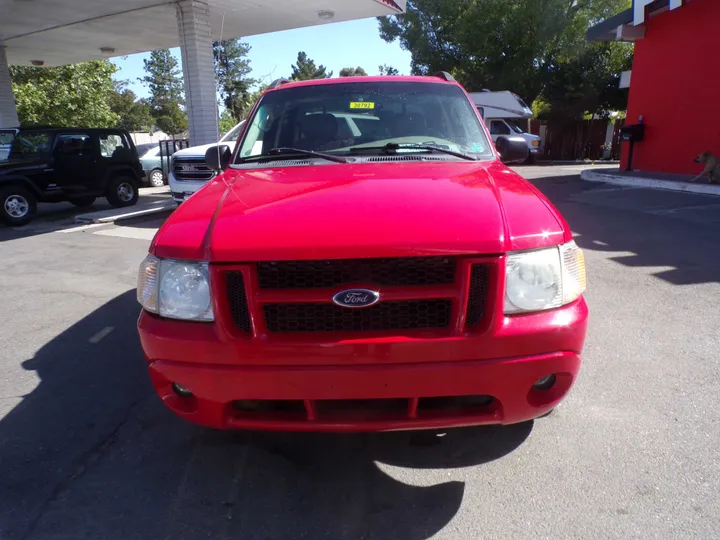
x: 673, y: 233
x: 92, y: 453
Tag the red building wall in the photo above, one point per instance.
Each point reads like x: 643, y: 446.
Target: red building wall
x: 676, y: 87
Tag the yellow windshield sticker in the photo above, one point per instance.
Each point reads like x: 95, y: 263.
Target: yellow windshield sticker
x: 362, y: 105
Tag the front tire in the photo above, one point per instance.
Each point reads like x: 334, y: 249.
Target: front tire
x: 17, y: 206
x: 156, y: 178
x: 82, y: 202
x: 122, y: 191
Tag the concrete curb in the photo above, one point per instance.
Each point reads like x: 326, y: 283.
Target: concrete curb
x: 551, y: 163
x: 118, y: 214
x: 652, y: 183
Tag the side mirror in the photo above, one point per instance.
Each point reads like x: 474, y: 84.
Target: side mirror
x: 512, y: 149
x: 218, y: 157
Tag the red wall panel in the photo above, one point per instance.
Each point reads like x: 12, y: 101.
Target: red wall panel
x: 676, y: 87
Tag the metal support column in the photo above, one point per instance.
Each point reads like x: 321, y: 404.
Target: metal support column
x: 199, y: 74
x: 8, y: 112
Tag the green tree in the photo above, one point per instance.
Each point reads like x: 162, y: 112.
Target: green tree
x: 496, y: 44
x: 133, y: 114
x: 227, y: 122
x: 74, y: 95
x: 163, y: 78
x: 388, y: 70
x: 353, y: 72
x: 171, y: 119
x: 165, y: 83
x: 305, y: 69
x: 588, y: 84
x: 232, y: 68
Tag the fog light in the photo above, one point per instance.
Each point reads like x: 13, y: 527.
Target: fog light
x: 181, y: 390
x: 545, y: 383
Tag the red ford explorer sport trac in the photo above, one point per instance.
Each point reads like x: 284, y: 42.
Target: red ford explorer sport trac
x: 365, y: 261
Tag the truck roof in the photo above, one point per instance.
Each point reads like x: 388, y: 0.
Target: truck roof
x: 434, y: 79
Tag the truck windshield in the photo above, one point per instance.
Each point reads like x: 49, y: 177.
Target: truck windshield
x: 339, y: 118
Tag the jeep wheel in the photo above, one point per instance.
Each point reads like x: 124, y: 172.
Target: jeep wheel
x: 17, y: 206
x: 156, y: 178
x: 82, y: 202
x: 122, y: 191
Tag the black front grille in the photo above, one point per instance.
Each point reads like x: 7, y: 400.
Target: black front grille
x: 400, y: 315
x: 191, y: 168
x: 477, y: 294
x: 402, y: 272
x: 238, y: 300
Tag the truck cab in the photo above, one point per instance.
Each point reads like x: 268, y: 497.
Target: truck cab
x: 504, y: 113
x: 502, y: 127
x: 363, y: 260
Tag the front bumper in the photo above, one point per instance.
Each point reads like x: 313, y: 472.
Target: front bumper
x: 366, y: 384
x: 181, y: 190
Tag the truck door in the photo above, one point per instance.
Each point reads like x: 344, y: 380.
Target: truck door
x: 75, y: 158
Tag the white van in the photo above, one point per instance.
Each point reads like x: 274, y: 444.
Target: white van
x: 501, y: 112
x: 188, y: 171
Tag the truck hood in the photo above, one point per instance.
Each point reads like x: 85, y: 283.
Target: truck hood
x: 363, y: 210
x: 199, y: 151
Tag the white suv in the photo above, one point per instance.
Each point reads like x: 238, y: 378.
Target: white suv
x: 188, y: 171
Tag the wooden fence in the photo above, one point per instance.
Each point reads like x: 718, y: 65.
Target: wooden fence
x: 582, y: 139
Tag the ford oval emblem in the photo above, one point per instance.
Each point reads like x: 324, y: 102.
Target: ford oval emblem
x: 356, y: 298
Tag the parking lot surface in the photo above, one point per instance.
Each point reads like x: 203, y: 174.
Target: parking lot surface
x: 87, y: 451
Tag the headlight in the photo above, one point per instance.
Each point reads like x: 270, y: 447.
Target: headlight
x: 175, y: 289
x: 544, y: 279
x: 147, y: 283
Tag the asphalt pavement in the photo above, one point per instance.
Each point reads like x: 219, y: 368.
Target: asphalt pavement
x: 87, y: 451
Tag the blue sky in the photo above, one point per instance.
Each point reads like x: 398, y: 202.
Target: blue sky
x: 338, y: 45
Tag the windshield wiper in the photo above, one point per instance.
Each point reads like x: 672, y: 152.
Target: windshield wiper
x: 402, y: 148
x: 284, y: 151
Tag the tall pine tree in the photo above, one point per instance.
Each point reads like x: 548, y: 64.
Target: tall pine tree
x: 305, y: 69
x: 232, y: 68
x: 133, y: 114
x: 165, y: 83
x: 353, y: 72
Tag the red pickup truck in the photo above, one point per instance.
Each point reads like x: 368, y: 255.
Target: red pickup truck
x: 365, y: 261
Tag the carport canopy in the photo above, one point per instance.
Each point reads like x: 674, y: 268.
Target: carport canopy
x: 55, y: 32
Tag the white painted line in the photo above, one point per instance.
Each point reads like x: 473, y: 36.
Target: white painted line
x: 683, y: 208
x: 81, y: 228
x: 153, y: 190
x: 136, y: 233
x: 606, y: 189
x: 108, y: 216
x: 101, y: 334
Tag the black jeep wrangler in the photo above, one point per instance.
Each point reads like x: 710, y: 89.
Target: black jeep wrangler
x: 65, y: 164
